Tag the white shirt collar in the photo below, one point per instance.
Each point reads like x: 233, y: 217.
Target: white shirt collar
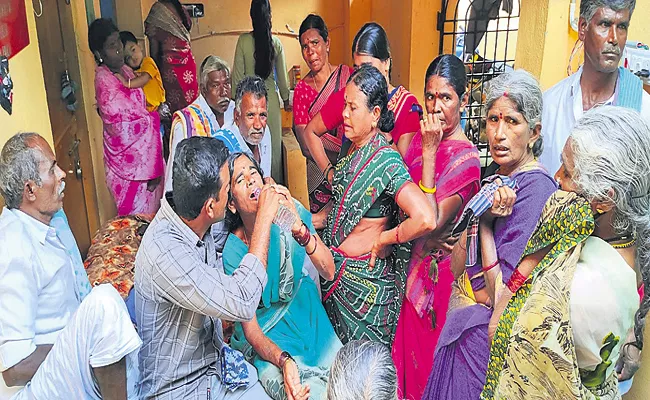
x: 36, y: 228
x: 576, y: 92
x: 264, y: 147
x: 228, y: 116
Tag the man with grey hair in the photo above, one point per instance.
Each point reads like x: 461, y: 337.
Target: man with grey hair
x: 58, y: 338
x: 602, y: 27
x: 211, y: 114
x: 251, y: 114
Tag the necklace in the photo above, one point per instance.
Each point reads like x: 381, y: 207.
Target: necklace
x: 624, y: 245
x: 329, y: 73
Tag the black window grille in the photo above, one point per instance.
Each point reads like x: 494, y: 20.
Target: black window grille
x: 482, y: 33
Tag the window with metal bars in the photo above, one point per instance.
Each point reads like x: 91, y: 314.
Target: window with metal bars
x: 482, y: 33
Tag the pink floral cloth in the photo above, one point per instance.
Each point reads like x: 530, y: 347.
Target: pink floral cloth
x: 132, y: 144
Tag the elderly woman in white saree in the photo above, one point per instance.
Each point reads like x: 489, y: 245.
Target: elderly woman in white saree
x: 564, y: 326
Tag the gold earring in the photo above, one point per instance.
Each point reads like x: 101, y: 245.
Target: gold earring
x: 374, y: 125
x: 600, y: 211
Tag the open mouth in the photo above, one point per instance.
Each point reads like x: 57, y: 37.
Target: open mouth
x: 255, y: 194
x: 499, y: 149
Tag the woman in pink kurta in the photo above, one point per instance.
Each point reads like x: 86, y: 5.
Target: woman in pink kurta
x: 132, y: 142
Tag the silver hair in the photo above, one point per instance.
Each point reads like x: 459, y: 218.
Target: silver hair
x: 611, y: 150
x: 588, y: 8
x: 210, y: 64
x: 250, y: 84
x: 523, y: 90
x: 362, y: 370
x: 19, y: 163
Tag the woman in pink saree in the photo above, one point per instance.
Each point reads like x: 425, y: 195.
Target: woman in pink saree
x: 446, y: 165
x: 310, y: 96
x: 132, y: 143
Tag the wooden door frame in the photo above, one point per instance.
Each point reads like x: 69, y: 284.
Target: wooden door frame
x: 72, y: 41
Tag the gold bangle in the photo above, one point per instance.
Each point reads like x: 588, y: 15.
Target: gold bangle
x: 426, y: 189
x: 129, y: 83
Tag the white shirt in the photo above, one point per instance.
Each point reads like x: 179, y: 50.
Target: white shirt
x: 562, y: 109
x: 37, y: 288
x: 603, y: 300
x: 264, y: 148
x: 178, y: 134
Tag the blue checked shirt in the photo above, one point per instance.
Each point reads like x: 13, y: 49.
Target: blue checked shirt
x: 181, y: 294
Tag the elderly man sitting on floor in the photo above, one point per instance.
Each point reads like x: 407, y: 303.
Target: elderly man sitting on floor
x: 58, y: 339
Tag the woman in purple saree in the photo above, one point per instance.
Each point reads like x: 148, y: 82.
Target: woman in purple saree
x: 514, y: 107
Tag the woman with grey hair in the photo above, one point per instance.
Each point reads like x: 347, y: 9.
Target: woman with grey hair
x: 362, y: 370
x: 520, y: 190
x: 561, y: 325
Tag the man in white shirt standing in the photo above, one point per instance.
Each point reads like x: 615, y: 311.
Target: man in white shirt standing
x: 603, y: 27
x: 57, y: 341
x: 212, y: 114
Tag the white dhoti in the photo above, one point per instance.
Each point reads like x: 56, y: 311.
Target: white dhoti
x: 100, y: 333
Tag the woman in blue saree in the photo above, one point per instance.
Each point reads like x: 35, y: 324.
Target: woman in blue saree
x: 290, y: 341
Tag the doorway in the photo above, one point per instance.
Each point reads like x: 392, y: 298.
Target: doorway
x: 60, y: 62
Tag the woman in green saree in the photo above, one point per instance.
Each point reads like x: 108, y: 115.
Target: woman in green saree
x: 568, y: 324
x: 290, y: 341
x: 370, y: 247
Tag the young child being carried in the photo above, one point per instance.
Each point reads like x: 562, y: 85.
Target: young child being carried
x: 147, y: 73
x: 149, y: 79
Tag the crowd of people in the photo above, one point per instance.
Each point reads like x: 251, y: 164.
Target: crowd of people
x: 407, y: 276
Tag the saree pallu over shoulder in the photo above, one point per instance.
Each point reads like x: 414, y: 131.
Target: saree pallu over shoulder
x: 360, y: 179
x: 160, y: 17
x: 533, y: 351
x: 429, y: 283
x: 177, y: 64
x: 458, y: 171
x: 132, y: 142
x: 308, y: 102
x: 364, y: 303
x: 407, y: 120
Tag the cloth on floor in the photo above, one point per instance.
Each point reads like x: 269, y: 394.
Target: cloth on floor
x: 111, y: 257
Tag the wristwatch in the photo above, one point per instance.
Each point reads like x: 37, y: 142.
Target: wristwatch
x: 284, y: 356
